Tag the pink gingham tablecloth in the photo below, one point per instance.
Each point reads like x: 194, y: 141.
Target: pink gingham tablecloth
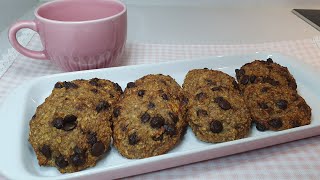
x: 294, y: 160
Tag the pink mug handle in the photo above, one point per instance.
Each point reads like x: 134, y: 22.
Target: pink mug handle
x: 14, y: 42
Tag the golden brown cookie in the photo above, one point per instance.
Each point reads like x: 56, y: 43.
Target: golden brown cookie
x: 148, y: 119
x: 276, y: 108
x: 216, y: 110
x: 260, y: 71
x: 72, y: 129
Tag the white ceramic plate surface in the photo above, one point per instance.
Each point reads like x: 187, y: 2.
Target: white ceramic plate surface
x: 18, y: 160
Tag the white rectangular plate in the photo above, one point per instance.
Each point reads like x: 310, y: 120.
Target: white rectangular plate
x: 18, y: 160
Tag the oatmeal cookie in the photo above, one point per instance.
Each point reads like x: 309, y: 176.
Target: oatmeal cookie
x: 216, y: 111
x: 148, y: 119
x: 72, y: 129
x: 276, y: 108
x: 260, y: 71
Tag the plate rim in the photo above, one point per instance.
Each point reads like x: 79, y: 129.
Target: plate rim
x: 98, y: 171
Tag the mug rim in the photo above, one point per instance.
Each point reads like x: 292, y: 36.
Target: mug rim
x: 78, y: 22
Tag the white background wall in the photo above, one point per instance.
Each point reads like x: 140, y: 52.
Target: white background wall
x: 10, y: 10
x: 230, y: 21
x: 227, y: 3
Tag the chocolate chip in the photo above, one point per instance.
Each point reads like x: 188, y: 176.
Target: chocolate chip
x: 77, y: 159
x: 46, y: 151
x: 116, y: 111
x: 263, y: 105
x: 174, y: 117
x: 69, y: 126
x: 201, y: 112
x: 170, y: 129
x: 270, y: 81
x: 266, y: 79
x: 118, y: 87
x: 157, y: 138
x: 218, y: 99
x: 210, y: 82
x: 78, y: 150
x: 131, y: 85
x: 95, y: 91
x: 156, y: 122
x: 276, y: 123
x: 235, y: 85
x: 133, y: 138
x: 216, y: 126
x: 245, y: 80
x: 151, y: 105
x: 165, y: 97
x: 224, y: 104
x: 145, y: 117
x: 69, y: 85
x: 269, y: 60
x: 34, y: 116
x: 141, y: 93
x: 57, y: 123
x: 205, y: 68
x: 282, y: 104
x: 97, y: 149
x: 94, y: 82
x: 201, y: 96
x: 275, y: 83
x: 102, y: 105
x: 239, y: 72
x: 264, y: 89
x: 295, y: 123
x: 69, y: 118
x: 252, y: 79
x: 184, y: 100
x: 58, y: 85
x: 61, y: 162
x: 218, y: 88
x: 237, y: 75
x: 92, y: 138
x: 260, y: 127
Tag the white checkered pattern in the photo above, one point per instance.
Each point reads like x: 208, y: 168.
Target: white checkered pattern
x: 294, y: 160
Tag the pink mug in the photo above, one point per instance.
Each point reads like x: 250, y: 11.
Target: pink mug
x: 77, y: 34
